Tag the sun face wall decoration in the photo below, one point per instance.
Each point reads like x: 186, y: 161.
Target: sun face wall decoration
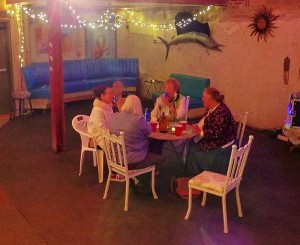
x: 263, y: 24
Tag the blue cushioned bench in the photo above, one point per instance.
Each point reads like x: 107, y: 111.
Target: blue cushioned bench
x: 190, y: 86
x: 80, y: 77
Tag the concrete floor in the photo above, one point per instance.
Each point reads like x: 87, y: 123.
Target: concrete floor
x: 44, y: 201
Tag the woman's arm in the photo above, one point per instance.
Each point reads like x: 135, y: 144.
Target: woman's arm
x: 99, y: 118
x: 180, y: 111
x: 145, y: 126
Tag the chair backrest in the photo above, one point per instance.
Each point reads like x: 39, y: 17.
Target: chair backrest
x: 237, y: 164
x: 80, y: 125
x: 115, y: 151
x: 242, y: 121
x: 187, y: 102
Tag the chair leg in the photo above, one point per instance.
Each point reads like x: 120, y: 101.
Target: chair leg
x: 153, y: 184
x: 224, y: 214
x: 107, y: 184
x: 100, y: 165
x: 21, y: 108
x: 81, y: 162
x: 31, y: 110
x: 95, y: 159
x: 126, y: 194
x: 204, y: 199
x: 187, y: 216
x: 238, y: 201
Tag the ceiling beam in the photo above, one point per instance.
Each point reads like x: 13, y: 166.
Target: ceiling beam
x: 185, y: 2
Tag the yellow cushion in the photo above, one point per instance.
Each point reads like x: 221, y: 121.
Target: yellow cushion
x: 209, y: 180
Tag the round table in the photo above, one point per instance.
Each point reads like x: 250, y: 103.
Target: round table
x: 187, y: 134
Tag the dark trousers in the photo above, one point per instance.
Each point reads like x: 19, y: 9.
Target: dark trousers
x: 150, y: 159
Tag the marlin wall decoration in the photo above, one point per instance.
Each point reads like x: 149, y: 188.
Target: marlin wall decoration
x: 195, y: 32
x: 195, y: 37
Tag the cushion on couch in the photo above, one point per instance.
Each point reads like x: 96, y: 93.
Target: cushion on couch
x: 81, y: 75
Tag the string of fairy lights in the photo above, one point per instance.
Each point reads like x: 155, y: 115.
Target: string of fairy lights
x: 17, y: 11
x: 108, y: 20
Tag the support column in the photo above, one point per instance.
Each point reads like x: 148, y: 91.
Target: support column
x: 56, y: 76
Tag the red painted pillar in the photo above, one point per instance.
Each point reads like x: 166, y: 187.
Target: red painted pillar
x: 56, y: 76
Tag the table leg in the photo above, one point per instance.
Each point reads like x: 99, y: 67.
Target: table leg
x: 180, y: 155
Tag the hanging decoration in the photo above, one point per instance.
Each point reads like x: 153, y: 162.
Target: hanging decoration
x: 286, y: 69
x: 195, y: 32
x: 263, y: 24
x: 17, y: 12
x: 111, y: 19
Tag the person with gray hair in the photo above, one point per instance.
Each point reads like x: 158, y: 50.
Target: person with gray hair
x: 130, y: 120
x: 217, y: 132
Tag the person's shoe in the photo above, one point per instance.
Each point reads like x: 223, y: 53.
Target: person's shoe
x: 117, y: 177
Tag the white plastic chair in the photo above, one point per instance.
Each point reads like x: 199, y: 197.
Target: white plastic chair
x: 219, y: 184
x: 80, y: 125
x: 242, y: 121
x: 117, y: 162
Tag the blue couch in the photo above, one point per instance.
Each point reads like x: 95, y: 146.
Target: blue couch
x: 190, y: 86
x: 81, y: 75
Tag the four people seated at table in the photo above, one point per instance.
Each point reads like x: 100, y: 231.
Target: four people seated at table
x: 210, y: 150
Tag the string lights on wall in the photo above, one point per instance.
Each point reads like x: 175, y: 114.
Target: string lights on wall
x: 18, y: 13
x: 111, y: 19
x: 108, y: 20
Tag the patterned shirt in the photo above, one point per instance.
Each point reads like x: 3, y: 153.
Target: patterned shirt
x: 219, y: 128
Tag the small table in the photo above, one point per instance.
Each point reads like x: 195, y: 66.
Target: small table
x: 21, y: 96
x: 185, y: 136
x: 157, y: 84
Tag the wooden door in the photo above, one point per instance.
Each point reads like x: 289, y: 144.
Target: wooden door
x: 5, y: 84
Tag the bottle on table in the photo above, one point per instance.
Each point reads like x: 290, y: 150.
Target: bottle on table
x: 163, y: 123
x: 147, y: 115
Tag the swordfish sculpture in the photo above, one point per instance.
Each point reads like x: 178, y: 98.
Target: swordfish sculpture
x: 195, y: 37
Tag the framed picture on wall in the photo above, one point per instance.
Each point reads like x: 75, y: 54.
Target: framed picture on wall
x: 100, y: 43
x: 72, y: 43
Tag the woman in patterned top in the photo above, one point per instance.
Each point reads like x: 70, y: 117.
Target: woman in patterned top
x: 211, y: 149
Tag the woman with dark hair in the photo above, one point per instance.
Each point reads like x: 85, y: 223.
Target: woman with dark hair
x: 102, y: 108
x: 216, y: 130
x: 172, y: 103
x: 100, y: 117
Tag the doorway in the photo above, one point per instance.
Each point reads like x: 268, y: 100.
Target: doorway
x: 5, y: 82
